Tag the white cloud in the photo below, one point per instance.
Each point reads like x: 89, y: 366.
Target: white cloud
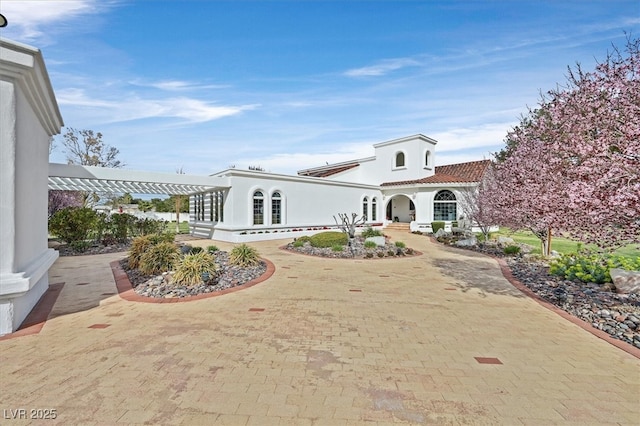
x: 382, y: 68
x: 135, y: 108
x: 178, y: 85
x: 27, y: 19
x: 485, y: 135
x: 456, y: 145
x: 290, y: 163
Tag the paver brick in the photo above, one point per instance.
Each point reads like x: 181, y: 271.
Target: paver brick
x: 402, y: 350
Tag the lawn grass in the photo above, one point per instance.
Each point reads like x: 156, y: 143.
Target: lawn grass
x: 184, y: 227
x: 560, y: 244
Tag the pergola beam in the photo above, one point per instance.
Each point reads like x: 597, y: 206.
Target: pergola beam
x: 102, y: 179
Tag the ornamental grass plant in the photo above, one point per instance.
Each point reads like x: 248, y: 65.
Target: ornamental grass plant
x: 159, y: 258
x: 243, y: 255
x: 195, y: 268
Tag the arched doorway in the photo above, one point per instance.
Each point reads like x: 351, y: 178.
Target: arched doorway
x: 400, y: 208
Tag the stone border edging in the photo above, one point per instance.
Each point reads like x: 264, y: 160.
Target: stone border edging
x: 126, y: 291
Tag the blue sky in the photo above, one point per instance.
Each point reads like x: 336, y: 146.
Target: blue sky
x: 287, y: 85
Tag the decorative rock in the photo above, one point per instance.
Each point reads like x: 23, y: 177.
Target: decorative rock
x: 160, y: 286
x: 505, y: 241
x: 380, y: 241
x: 440, y: 233
x: 467, y: 242
x: 590, y: 302
x: 626, y: 281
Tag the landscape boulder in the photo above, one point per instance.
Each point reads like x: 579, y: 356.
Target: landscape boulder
x: 380, y: 241
x: 441, y: 233
x: 505, y: 241
x: 467, y: 242
x: 626, y: 282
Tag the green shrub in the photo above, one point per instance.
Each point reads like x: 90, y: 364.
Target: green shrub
x: 400, y: 244
x: 590, y: 267
x: 243, y: 255
x: 304, y: 239
x: 370, y: 232
x: 80, y: 246
x: 158, y: 258
x: 196, y: 249
x: 163, y: 237
x: 195, y: 268
x: 122, y: 225
x: 102, y: 227
x: 108, y: 240
x: 212, y: 249
x: 435, y: 226
x: 380, y: 254
x: 624, y: 262
x: 337, y: 248
x: 511, y: 250
x: 370, y: 244
x: 329, y: 239
x: 73, y: 224
x: 298, y: 243
x: 146, y: 226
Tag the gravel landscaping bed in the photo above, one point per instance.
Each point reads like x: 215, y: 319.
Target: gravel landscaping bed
x: 160, y: 286
x: 356, y: 250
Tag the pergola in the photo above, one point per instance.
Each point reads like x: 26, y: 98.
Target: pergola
x: 102, y: 179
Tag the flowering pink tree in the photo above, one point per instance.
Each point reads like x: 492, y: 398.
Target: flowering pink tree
x: 573, y: 165
x: 478, y: 206
x: 529, y: 184
x: 59, y: 200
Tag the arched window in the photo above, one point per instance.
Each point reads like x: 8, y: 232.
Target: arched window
x: 400, y: 159
x: 444, y: 206
x: 276, y: 208
x: 365, y: 208
x: 374, y: 208
x: 258, y: 208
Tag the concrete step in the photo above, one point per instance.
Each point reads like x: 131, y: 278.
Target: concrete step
x: 399, y: 226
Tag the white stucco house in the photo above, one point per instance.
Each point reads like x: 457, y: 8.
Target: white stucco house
x: 399, y: 184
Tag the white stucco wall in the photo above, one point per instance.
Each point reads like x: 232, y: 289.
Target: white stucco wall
x: 306, y: 202
x: 381, y: 168
x: 28, y: 117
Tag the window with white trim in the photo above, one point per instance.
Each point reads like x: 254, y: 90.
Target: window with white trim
x: 399, y: 159
x: 374, y: 208
x: 365, y: 208
x: 276, y: 208
x: 258, y: 208
x: 444, y: 206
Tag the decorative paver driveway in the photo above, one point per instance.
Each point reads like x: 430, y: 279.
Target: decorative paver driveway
x: 440, y: 338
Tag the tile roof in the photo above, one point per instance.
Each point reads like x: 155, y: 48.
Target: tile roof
x: 471, y: 171
x: 328, y: 170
